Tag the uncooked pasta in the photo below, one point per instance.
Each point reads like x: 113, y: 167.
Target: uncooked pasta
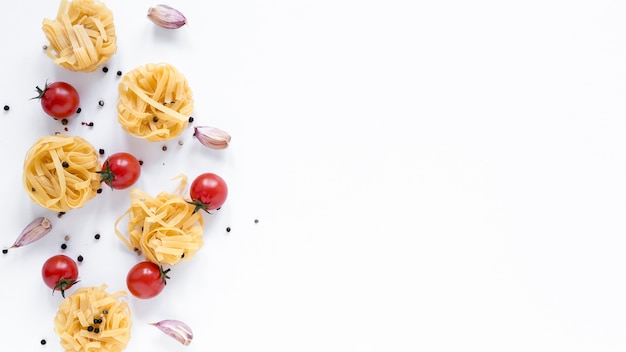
x: 82, y: 36
x: 155, y: 102
x: 165, y: 228
x: 60, y: 172
x: 90, y: 319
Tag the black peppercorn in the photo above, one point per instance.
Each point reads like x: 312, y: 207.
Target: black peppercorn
x: 99, y: 190
x: 119, y: 73
x: 80, y: 258
x: 228, y: 229
x: 96, y: 330
x: 101, y: 103
x: 43, y: 341
x: 155, y: 119
x: 6, y: 108
x: 190, y: 119
x: 63, y: 246
x: 5, y: 251
x: 97, y: 236
x: 79, y: 110
x: 105, y: 69
x: 90, y: 328
x: 101, y: 151
x: 65, y: 164
x: 64, y: 122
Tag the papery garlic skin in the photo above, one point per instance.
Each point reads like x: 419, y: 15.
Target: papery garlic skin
x: 176, y: 329
x: 166, y: 16
x: 212, y: 137
x: 37, y: 229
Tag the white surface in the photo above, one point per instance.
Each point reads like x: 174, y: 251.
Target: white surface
x: 428, y: 175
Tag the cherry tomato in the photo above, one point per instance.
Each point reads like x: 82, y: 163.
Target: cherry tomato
x: 208, y: 191
x: 58, y: 99
x: 59, y: 273
x: 146, y: 279
x: 120, y: 170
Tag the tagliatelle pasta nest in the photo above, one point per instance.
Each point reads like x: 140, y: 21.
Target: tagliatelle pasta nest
x: 93, y: 307
x: 82, y: 36
x: 165, y: 228
x: 60, y: 172
x: 155, y: 102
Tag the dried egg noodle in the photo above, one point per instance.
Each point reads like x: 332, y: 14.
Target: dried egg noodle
x: 82, y: 36
x: 59, y: 188
x: 164, y: 228
x: 155, y: 102
x: 78, y: 311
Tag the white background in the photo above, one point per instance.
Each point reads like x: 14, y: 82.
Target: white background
x: 427, y: 175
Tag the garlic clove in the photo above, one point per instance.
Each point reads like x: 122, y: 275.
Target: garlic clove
x: 37, y: 229
x: 176, y: 329
x: 212, y: 137
x: 166, y: 16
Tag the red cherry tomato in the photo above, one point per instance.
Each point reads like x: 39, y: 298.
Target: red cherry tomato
x: 120, y: 170
x: 59, y: 273
x: 208, y: 191
x: 146, y: 279
x: 58, y: 99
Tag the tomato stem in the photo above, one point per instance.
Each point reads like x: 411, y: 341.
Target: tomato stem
x: 199, y: 205
x: 163, y: 274
x: 107, y: 176
x: 40, y: 92
x: 63, y: 284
